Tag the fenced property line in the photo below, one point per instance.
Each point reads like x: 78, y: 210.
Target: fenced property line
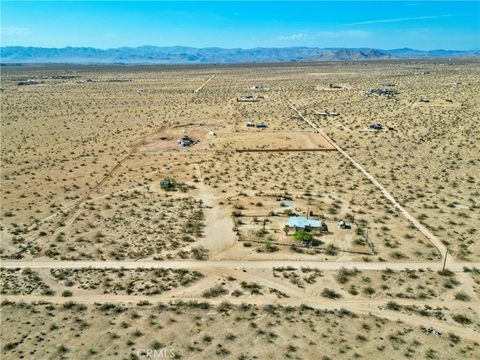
x: 319, y: 250
x: 370, y: 244
x: 284, y: 150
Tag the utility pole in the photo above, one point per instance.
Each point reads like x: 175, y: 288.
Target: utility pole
x: 445, y: 260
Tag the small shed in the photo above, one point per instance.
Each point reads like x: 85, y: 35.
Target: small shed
x: 343, y: 225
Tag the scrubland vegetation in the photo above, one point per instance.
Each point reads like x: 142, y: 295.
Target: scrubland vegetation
x: 199, y: 330
x: 82, y: 161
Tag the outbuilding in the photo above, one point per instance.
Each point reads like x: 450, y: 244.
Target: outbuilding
x: 167, y: 184
x: 343, y: 225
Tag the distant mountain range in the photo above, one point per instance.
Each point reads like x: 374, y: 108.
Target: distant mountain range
x: 189, y: 55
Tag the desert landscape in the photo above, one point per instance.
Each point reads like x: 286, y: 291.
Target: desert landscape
x: 322, y: 210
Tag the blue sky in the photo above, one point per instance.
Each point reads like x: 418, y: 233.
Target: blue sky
x: 386, y: 25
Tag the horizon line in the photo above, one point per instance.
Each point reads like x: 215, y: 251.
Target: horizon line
x: 232, y: 48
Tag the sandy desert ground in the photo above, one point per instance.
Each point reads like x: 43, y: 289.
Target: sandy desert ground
x: 92, y: 244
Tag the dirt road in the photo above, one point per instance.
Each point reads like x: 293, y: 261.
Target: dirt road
x: 205, y: 83
x: 229, y: 264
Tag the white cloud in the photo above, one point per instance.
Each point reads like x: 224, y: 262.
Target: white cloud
x: 292, y: 37
x: 400, y: 19
x: 350, y: 34
x: 14, y: 31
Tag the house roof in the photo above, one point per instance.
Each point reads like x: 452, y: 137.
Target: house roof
x: 303, y: 222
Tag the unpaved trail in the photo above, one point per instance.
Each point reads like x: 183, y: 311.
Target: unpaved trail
x: 205, y: 83
x: 433, y: 239
x: 69, y: 216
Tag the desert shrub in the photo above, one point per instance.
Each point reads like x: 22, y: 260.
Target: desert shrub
x: 344, y: 275
x: 462, y: 319
x: 369, y: 290
x: 445, y: 272
x: 454, y: 338
x: 391, y: 305
x: 10, y: 346
x: 328, y: 293
x: 200, y: 253
x: 215, y: 291
x: 331, y: 250
x: 156, y: 345
x: 225, y: 306
x: 269, y: 247
x: 462, y: 296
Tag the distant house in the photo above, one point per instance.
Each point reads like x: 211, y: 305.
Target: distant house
x: 324, y: 113
x: 305, y: 223
x: 335, y: 86
x: 185, y: 141
x: 375, y: 126
x: 388, y: 92
x: 27, y: 82
x: 250, y: 124
x: 249, y: 98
